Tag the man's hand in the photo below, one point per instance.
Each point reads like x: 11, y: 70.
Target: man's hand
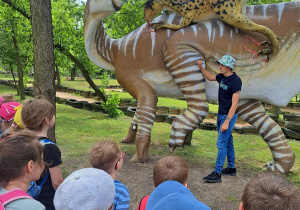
x: 225, y: 126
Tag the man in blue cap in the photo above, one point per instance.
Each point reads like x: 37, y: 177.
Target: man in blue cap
x: 230, y: 86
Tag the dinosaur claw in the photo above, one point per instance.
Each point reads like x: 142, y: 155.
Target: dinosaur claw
x: 172, y: 147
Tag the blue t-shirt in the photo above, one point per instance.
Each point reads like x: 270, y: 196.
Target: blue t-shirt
x: 122, y: 197
x: 227, y: 87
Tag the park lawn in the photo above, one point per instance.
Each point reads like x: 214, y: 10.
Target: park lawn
x: 77, y: 133
x: 78, y: 130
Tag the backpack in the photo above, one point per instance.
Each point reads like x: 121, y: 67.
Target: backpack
x: 34, y: 190
x: 143, y: 203
x: 12, y: 195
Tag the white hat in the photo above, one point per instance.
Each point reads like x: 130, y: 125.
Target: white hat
x: 88, y: 189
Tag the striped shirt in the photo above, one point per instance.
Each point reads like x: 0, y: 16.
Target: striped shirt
x: 122, y: 197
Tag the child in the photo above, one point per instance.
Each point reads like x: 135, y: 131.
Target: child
x: 7, y: 114
x: 38, y: 115
x: 168, y: 168
x: 21, y: 161
x: 171, y: 195
x: 7, y: 97
x: 86, y: 189
x: 270, y: 191
x: 107, y: 155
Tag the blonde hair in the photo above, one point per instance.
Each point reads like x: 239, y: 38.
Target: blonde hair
x: 104, y: 155
x: 8, y: 97
x: 35, y: 111
x: 170, y: 168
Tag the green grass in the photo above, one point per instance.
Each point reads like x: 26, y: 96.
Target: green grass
x: 77, y: 133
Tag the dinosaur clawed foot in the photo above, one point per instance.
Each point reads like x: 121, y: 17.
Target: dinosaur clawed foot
x: 157, y: 25
x: 274, y: 166
x: 173, y: 146
x: 269, y: 48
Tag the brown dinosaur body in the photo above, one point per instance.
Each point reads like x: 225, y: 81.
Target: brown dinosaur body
x: 229, y: 11
x: 149, y: 65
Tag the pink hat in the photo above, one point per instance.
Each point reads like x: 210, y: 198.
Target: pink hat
x: 7, y: 110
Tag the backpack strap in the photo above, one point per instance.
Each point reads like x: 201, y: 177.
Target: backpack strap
x: 43, y: 143
x: 143, y: 203
x: 12, y: 195
x: 46, y: 141
x: 44, y: 180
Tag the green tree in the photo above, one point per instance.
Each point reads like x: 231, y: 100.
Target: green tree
x: 69, y: 44
x: 129, y: 17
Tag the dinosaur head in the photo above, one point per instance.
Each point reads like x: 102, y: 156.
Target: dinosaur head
x: 152, y: 9
x: 103, y: 6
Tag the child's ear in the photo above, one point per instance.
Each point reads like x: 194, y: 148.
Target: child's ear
x: 29, y: 166
x: 47, y: 121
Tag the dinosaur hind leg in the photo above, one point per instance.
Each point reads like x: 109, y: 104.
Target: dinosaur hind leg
x: 130, y: 137
x: 283, y: 156
x: 181, y: 62
x: 236, y: 19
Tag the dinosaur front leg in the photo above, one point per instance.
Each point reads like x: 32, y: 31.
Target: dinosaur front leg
x: 181, y: 62
x: 186, y: 21
x: 283, y: 156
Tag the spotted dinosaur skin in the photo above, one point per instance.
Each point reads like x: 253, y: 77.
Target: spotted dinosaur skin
x: 192, y: 11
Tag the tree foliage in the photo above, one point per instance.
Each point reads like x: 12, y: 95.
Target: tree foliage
x: 126, y: 20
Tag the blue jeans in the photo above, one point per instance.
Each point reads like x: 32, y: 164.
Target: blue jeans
x: 225, y: 144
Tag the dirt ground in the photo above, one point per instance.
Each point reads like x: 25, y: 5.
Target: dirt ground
x: 219, y: 196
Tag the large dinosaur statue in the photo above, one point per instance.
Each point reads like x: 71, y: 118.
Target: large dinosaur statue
x: 229, y: 11
x: 148, y: 65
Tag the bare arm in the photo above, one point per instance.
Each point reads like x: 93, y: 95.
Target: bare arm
x: 234, y: 104
x: 206, y: 73
x: 56, y: 176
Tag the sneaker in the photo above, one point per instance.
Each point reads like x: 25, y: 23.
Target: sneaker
x: 214, y: 177
x: 229, y: 171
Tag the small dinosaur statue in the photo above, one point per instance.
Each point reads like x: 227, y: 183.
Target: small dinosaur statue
x: 192, y: 11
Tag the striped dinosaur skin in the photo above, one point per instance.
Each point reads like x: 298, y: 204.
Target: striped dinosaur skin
x: 192, y: 11
x: 149, y: 65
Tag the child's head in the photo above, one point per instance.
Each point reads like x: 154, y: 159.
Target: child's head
x: 106, y: 155
x: 35, y: 112
x: 87, y: 188
x: 270, y: 191
x: 170, y: 168
x: 7, y: 97
x: 19, y: 152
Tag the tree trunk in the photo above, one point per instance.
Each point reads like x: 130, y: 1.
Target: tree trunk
x: 73, y: 74
x: 21, y: 90
x: 57, y: 74
x: 63, y: 50
x: 43, y: 52
x: 84, y: 72
x: 13, y: 76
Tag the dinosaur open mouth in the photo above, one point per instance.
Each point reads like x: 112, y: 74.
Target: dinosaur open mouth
x: 117, y: 4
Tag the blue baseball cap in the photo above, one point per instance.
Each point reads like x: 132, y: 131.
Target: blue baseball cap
x: 172, y: 195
